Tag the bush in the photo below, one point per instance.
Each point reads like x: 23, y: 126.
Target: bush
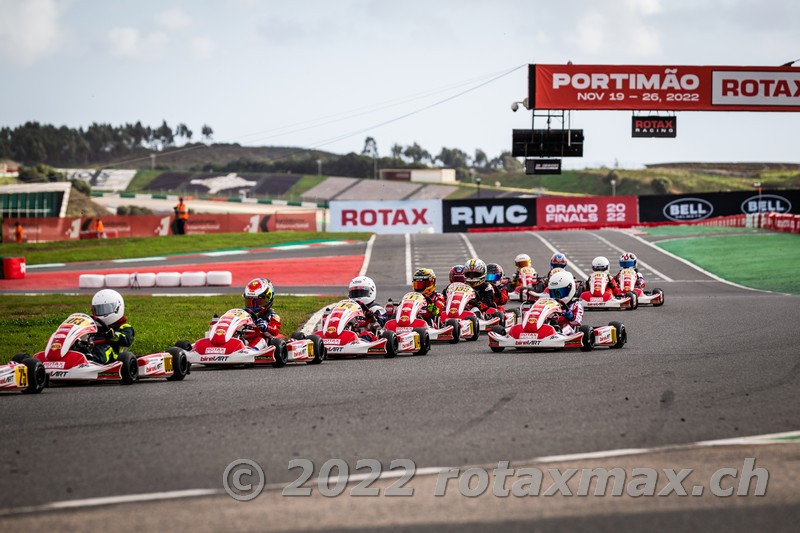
x: 660, y: 185
x: 40, y: 173
x: 82, y: 186
x: 133, y: 210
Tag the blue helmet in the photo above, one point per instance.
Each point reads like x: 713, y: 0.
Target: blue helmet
x: 627, y: 260
x: 558, y: 260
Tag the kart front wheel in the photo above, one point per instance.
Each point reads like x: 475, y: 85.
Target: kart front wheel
x: 424, y: 341
x: 319, y: 348
x: 37, y: 376
x: 622, y: 334
x: 476, y: 328
x: 453, y: 323
x: 391, y: 343
x: 500, y: 330
x: 281, y: 352
x: 587, y: 341
x: 661, y: 294
x: 298, y: 336
x: 130, y: 368
x: 634, y: 300
x: 180, y: 364
x: 20, y: 357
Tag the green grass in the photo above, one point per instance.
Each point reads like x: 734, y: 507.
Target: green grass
x: 691, y: 229
x: 28, y: 321
x: 102, y: 249
x: 765, y: 261
x: 142, y: 179
x: 303, y: 184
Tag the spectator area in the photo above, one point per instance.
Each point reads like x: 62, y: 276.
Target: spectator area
x: 329, y: 188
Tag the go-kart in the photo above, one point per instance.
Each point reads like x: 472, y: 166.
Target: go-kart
x: 227, y: 342
x: 598, y: 295
x: 471, y: 321
x: 627, y: 283
x: 65, y: 357
x: 24, y: 374
x: 342, y: 332
x: 529, y: 286
x: 407, y: 322
x: 539, y: 330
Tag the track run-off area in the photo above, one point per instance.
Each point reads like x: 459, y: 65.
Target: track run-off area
x: 717, y: 361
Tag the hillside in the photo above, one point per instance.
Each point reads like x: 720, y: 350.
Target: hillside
x: 198, y: 156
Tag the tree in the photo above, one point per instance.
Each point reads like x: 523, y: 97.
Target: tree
x: 397, y: 151
x: 164, y: 135
x: 182, y: 130
x: 480, y: 160
x: 370, y: 147
x: 660, y: 185
x: 206, y: 132
x: 453, y: 157
x: 416, y: 153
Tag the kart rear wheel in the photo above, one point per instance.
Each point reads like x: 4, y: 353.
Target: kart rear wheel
x: 391, y: 343
x: 660, y: 292
x: 298, y: 335
x: 476, y: 328
x: 180, y: 364
x: 281, y: 352
x: 319, y: 347
x: 453, y: 322
x: 424, y: 341
x: 500, y: 330
x: 37, y: 376
x: 184, y: 345
x: 130, y: 368
x: 634, y: 300
x: 20, y: 357
x: 587, y: 342
x: 622, y: 335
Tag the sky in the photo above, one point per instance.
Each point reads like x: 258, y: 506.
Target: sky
x: 327, y: 74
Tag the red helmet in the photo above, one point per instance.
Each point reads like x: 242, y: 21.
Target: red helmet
x: 457, y: 274
x: 258, y: 296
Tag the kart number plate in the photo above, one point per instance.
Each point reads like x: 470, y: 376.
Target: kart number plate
x: 21, y: 375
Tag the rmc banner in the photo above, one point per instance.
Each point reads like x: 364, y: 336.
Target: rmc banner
x: 582, y: 211
x: 664, y: 88
x: 484, y: 213
x: 693, y: 207
x: 397, y: 216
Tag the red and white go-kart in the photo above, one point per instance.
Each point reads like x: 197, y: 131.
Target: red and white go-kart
x: 342, y: 331
x: 529, y: 287
x: 627, y: 283
x: 407, y: 322
x: 461, y: 305
x: 24, y: 374
x: 598, y: 294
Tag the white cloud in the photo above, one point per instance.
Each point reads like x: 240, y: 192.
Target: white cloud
x: 173, y: 19
x: 131, y: 43
x: 202, y: 47
x: 624, y: 31
x: 29, y: 30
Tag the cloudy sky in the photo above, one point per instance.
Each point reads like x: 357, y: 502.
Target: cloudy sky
x: 328, y: 73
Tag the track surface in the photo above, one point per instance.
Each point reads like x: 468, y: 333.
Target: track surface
x: 715, y: 362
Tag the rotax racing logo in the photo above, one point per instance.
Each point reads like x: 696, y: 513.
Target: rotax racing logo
x: 685, y: 209
x: 766, y: 203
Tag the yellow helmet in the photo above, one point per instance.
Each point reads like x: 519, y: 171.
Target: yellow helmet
x: 424, y: 281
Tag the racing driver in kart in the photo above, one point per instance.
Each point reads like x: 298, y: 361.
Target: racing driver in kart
x: 628, y: 260
x: 258, y: 297
x: 362, y: 290
x: 558, y: 260
x: 424, y: 282
x: 456, y: 276
x: 601, y: 264
x: 475, y: 277
x: 496, y: 277
x: 108, y: 312
x: 562, y: 289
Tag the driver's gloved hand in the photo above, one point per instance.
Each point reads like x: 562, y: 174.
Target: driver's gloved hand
x: 262, y: 325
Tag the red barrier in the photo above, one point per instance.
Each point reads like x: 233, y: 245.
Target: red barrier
x: 12, y: 268
x: 781, y: 222
x: 582, y: 211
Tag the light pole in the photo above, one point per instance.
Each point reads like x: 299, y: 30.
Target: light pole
x: 478, y: 183
x: 613, y: 187
x: 319, y: 167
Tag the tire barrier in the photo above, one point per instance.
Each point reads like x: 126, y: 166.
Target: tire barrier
x: 142, y: 280
x: 193, y: 279
x: 117, y: 281
x: 168, y: 279
x: 91, y: 281
x: 219, y: 278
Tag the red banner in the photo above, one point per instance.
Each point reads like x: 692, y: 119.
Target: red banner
x: 585, y: 211
x: 73, y: 228
x: 668, y: 88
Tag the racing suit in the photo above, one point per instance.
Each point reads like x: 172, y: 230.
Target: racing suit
x: 266, y: 327
x: 639, y: 279
x: 116, y: 337
x: 375, y: 317
x: 433, y: 310
x: 613, y: 286
x: 500, y: 297
x: 485, y: 296
x: 571, y: 317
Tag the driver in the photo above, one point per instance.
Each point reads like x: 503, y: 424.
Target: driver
x: 424, y: 282
x: 362, y: 290
x: 558, y: 260
x: 601, y: 264
x: 108, y: 312
x: 628, y: 260
x: 521, y: 261
x: 562, y: 289
x: 258, y: 297
x: 456, y: 276
x: 475, y: 277
x: 496, y: 277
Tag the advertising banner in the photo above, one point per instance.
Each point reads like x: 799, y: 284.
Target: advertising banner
x: 666, y: 87
x: 397, y: 216
x: 586, y: 211
x: 654, y: 126
x: 483, y: 213
x: 694, y: 207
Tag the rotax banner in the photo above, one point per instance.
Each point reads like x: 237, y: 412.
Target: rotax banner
x: 582, y: 211
x: 666, y: 88
x: 398, y: 216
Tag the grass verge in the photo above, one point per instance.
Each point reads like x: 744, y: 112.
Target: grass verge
x: 103, y: 249
x: 766, y: 261
x: 690, y: 229
x: 28, y: 321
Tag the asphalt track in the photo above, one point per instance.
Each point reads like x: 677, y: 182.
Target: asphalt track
x: 715, y: 362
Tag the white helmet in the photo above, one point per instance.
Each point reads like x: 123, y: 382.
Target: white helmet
x: 600, y: 264
x: 522, y: 260
x: 108, y: 306
x: 561, y: 286
x: 362, y: 289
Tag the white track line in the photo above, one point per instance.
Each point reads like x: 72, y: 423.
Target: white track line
x: 552, y: 248
x: 408, y: 259
x: 648, y: 267
x: 45, y: 265
x: 367, y: 256
x: 706, y: 272
x: 470, y: 249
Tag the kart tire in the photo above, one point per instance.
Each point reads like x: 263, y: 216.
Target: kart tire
x: 424, y: 341
x: 476, y: 327
x: 180, y: 364
x: 391, y: 343
x: 184, y: 345
x: 37, y: 376
x: 130, y: 368
x: 634, y: 300
x: 622, y: 335
x: 539, y: 287
x: 587, y: 343
x: 20, y: 357
x: 456, y: 330
x: 298, y: 336
x: 319, y: 347
x: 659, y: 291
x: 500, y: 330
x: 281, y: 352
